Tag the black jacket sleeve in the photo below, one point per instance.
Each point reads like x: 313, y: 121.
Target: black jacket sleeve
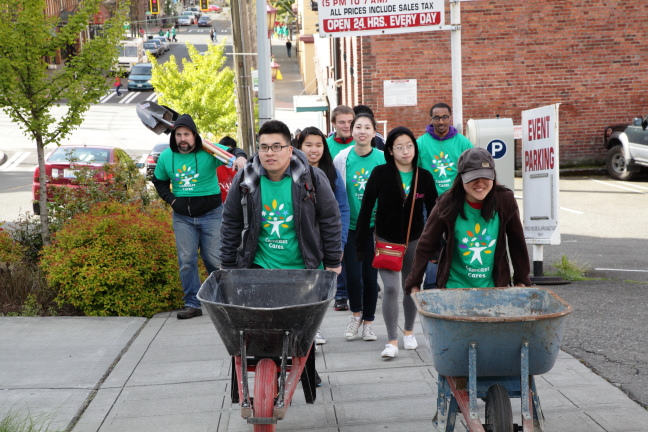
x: 163, y: 188
x: 363, y: 223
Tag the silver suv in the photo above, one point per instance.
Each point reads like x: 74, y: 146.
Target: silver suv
x: 627, y: 147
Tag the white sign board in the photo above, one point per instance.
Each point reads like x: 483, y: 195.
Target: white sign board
x: 339, y: 18
x: 400, y: 93
x: 540, y: 175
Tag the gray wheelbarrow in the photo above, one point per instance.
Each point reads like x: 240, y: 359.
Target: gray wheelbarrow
x: 267, y: 320
x: 488, y: 343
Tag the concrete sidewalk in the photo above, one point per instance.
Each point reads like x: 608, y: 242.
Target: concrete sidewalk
x: 164, y: 374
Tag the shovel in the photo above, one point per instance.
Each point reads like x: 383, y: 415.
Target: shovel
x: 160, y: 118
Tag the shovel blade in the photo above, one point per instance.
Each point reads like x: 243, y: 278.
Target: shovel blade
x: 157, y: 118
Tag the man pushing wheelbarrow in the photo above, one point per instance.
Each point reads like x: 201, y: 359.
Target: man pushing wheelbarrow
x: 280, y: 216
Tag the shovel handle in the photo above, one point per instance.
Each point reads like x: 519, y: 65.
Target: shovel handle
x: 220, y: 154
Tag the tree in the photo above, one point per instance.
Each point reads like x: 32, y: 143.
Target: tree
x: 204, y: 88
x: 29, y: 89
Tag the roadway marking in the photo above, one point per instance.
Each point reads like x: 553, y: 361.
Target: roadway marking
x: 628, y: 188
x: 620, y: 270
x: 128, y: 98
x: 14, y: 161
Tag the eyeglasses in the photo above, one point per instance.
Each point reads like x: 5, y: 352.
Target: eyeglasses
x: 443, y: 117
x: 401, y: 149
x: 274, y: 147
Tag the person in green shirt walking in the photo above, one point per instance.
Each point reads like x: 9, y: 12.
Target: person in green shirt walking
x: 341, y: 118
x: 185, y: 177
x: 440, y: 147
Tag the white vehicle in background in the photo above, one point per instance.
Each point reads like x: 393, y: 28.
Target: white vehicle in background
x: 131, y: 52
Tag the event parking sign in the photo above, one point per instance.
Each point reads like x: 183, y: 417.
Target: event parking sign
x: 339, y: 18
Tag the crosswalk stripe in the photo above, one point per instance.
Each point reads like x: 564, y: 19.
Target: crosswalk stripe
x: 14, y: 161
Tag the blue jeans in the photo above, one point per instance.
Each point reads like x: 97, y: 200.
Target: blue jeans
x: 341, y: 292
x: 430, y: 276
x: 361, y: 277
x: 193, y: 234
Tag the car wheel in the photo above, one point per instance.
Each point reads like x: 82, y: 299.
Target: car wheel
x: 617, y: 166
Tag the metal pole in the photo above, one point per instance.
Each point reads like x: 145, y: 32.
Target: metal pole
x: 243, y: 80
x: 263, y: 62
x: 455, y: 47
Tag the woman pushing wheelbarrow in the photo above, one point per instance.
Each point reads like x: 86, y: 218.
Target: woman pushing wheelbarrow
x: 485, y: 342
x: 280, y: 213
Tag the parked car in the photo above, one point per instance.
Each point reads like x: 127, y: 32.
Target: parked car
x: 158, y: 44
x: 152, y: 158
x: 62, y: 165
x: 152, y: 48
x: 196, y: 11
x: 215, y: 8
x: 165, y: 43
x: 140, y: 77
x: 205, y: 21
x: 186, y: 19
x: 627, y: 147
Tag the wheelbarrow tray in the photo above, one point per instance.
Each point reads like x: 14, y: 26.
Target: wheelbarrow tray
x: 265, y: 305
x: 499, y: 321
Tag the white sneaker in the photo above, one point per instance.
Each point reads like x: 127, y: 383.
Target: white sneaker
x: 352, y: 328
x: 409, y: 342
x: 368, y: 333
x: 319, y: 338
x: 390, y: 351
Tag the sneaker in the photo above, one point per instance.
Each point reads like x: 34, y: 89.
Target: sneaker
x: 352, y: 328
x: 368, y: 333
x: 390, y: 351
x: 409, y: 342
x: 189, y: 312
x: 319, y: 338
x: 341, y: 305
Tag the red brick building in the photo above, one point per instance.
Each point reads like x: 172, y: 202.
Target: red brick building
x: 589, y: 55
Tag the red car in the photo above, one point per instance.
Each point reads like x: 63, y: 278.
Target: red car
x: 214, y: 8
x: 62, y: 164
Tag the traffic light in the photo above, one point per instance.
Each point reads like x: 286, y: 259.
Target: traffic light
x: 204, y: 6
x: 155, y: 8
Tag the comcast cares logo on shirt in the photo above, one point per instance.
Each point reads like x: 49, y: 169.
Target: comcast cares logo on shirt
x: 360, y: 179
x: 275, y: 216
x: 477, y: 243
x: 186, y: 176
x: 442, y: 164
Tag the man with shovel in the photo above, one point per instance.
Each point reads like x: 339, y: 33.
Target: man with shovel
x: 185, y: 177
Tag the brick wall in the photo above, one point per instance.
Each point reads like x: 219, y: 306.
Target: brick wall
x: 589, y: 55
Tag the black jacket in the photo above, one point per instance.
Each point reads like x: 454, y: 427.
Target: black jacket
x: 392, y: 214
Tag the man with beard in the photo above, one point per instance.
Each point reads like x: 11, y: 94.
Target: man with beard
x: 185, y: 177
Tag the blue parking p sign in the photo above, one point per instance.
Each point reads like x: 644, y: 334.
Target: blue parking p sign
x: 497, y: 148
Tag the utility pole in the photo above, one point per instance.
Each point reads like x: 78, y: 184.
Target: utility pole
x: 243, y: 73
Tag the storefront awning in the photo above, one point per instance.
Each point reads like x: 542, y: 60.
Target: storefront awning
x: 310, y: 103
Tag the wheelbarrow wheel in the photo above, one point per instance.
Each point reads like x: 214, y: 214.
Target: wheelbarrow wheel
x: 265, y: 391
x: 499, y: 416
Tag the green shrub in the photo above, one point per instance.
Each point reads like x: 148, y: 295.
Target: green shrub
x: 10, y: 250
x: 118, y: 259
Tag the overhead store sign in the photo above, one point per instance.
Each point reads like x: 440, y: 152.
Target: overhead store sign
x: 339, y: 18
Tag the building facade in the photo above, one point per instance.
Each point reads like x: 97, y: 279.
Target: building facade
x: 589, y: 56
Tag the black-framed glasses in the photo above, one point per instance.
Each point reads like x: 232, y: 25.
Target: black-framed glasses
x: 443, y: 117
x: 274, y: 147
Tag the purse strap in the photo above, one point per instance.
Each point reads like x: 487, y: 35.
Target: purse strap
x: 409, y: 224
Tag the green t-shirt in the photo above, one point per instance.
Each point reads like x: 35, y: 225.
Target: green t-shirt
x: 278, y: 246
x: 191, y: 174
x: 473, y: 255
x: 441, y: 157
x: 358, y: 170
x: 335, y: 147
x: 406, y: 178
